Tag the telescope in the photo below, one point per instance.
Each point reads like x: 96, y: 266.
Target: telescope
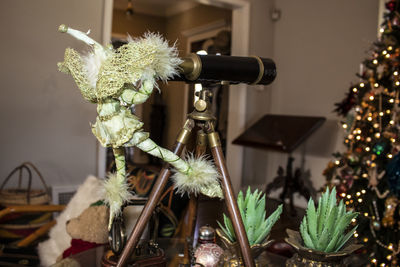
x: 212, y: 68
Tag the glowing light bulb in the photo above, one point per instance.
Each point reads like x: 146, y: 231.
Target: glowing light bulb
x: 391, y: 122
x: 363, y: 191
x: 353, y: 220
x: 358, y: 117
x: 367, y: 149
x: 390, y: 246
x: 355, y: 234
x: 369, y: 118
x: 371, y: 97
x: 389, y: 257
x: 384, y: 52
x: 382, y: 264
x: 381, y: 113
x: 350, y: 136
x: 358, y: 194
x: 364, y: 175
x: 347, y: 202
x: 373, y: 260
x: 368, y: 139
x: 365, y: 239
x: 360, y: 200
x: 376, y: 125
x: 391, y: 100
x: 377, y: 135
x: 358, y: 137
x: 392, y: 140
x: 358, y: 131
x: 390, y: 48
x: 348, y: 196
x: 355, y: 90
x: 397, y: 83
x: 381, y: 30
x: 376, y: 85
x: 344, y: 126
x: 387, y: 56
x: 375, y: 61
x: 362, y: 84
x: 343, y: 194
x: 396, y: 73
x: 389, y: 156
x: 388, y: 111
x: 337, y: 162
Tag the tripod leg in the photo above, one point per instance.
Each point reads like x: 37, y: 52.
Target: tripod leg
x: 191, y: 215
x: 154, y: 197
x: 230, y: 199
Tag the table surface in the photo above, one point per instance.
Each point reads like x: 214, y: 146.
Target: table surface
x: 173, y: 249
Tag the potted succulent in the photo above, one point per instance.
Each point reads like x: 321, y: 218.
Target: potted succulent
x: 323, y: 240
x: 258, y: 227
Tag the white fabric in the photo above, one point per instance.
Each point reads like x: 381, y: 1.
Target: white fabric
x: 89, y: 192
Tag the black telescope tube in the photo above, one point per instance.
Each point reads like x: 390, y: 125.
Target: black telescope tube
x: 212, y: 68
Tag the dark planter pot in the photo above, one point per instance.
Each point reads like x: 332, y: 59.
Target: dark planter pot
x: 306, y: 257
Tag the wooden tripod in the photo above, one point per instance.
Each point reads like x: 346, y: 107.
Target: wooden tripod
x: 204, y: 118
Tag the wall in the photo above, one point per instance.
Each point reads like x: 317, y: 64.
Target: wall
x: 137, y: 24
x: 43, y: 116
x: 317, y: 47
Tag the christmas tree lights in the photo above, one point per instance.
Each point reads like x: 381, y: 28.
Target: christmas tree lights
x: 367, y: 174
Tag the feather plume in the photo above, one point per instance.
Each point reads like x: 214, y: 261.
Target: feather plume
x: 202, y: 177
x: 116, y: 194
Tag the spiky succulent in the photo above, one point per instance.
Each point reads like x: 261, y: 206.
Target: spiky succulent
x: 324, y: 229
x: 252, y: 210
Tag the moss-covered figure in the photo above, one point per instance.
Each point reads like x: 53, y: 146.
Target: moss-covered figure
x: 117, y: 79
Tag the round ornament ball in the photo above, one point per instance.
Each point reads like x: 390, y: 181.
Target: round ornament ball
x: 208, y: 255
x: 391, y: 5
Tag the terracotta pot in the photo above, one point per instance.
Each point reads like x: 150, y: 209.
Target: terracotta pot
x: 233, y: 257
x: 306, y: 257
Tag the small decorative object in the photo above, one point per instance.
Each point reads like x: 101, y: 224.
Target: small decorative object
x: 116, y: 80
x: 252, y: 211
x: 390, y: 207
x: 206, y: 234
x: 323, y: 241
x: 207, y: 253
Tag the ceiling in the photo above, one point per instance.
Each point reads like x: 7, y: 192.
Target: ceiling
x: 163, y: 8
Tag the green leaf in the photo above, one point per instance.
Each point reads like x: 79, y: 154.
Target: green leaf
x: 312, y: 220
x: 227, y: 233
x: 344, y: 239
x: 304, y: 234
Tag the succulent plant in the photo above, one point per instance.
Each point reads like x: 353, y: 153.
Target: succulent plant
x: 252, y: 211
x: 323, y: 229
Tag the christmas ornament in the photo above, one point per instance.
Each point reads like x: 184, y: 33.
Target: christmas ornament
x: 116, y: 80
x: 380, y: 148
x: 376, y: 224
x: 390, y: 207
x: 393, y: 175
x: 391, y: 5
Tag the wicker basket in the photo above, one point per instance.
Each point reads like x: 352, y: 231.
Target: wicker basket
x: 19, y: 225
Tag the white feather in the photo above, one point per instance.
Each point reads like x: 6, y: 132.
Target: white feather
x: 202, y: 177
x: 116, y: 194
x: 92, y: 63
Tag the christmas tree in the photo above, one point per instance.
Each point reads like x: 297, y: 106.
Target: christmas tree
x: 367, y: 174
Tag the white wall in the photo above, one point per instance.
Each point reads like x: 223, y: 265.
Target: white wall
x: 43, y: 117
x: 317, y: 47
